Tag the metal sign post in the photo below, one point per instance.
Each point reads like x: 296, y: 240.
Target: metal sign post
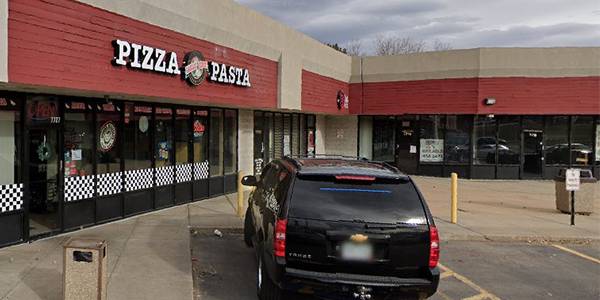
x: 572, y: 184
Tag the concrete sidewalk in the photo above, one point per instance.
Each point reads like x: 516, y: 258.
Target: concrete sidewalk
x: 505, y: 210
x: 148, y: 255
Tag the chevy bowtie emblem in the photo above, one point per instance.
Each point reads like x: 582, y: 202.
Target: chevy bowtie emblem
x: 359, y: 238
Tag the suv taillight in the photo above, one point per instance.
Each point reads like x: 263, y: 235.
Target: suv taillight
x: 434, y: 247
x: 279, y: 244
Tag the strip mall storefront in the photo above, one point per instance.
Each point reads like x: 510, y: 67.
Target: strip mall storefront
x: 109, y: 109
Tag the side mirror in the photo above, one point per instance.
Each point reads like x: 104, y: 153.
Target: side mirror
x: 249, y: 180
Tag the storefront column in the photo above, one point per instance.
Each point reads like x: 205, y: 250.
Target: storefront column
x: 3, y: 40
x: 340, y: 135
x: 320, y: 134
x: 246, y: 141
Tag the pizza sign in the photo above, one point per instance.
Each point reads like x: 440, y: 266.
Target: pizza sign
x: 107, y: 136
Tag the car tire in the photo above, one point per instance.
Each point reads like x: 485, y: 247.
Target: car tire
x: 266, y: 289
x: 248, y: 229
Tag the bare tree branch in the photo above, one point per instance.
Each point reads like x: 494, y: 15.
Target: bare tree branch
x: 393, y: 45
x: 354, y: 48
x: 441, y: 46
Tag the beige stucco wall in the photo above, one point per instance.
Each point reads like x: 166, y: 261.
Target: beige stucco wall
x: 341, y: 135
x: 229, y: 24
x: 480, y: 62
x: 246, y: 141
x: 3, y: 40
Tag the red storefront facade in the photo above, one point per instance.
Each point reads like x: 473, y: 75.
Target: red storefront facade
x: 111, y: 109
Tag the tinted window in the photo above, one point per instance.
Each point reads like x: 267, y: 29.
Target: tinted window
x: 370, y: 202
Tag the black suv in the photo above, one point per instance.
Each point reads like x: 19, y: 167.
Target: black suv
x: 340, y: 229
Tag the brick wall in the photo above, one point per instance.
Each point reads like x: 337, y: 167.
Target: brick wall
x: 319, y: 93
x: 514, y: 95
x: 66, y: 44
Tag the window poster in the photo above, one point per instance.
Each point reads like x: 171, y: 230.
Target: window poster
x: 598, y: 142
x: 432, y: 150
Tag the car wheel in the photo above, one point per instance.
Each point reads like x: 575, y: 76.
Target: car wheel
x: 248, y: 229
x: 266, y: 289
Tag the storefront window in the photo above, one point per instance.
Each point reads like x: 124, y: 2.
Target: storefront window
x: 278, y: 136
x: 182, y: 131
x: 557, y: 140
x: 259, y: 146
x: 216, y: 142
x: 582, y: 140
x: 269, y: 138
x: 78, y: 139
x: 431, y: 144
x: 458, y: 142
x: 163, y: 137
x: 138, y: 149
x: 384, y: 138
x: 484, y: 141
x: 200, y: 136
x: 365, y: 137
x: 295, y: 135
x: 108, y: 120
x: 230, y: 147
x: 311, y: 124
x: 597, y: 141
x: 303, y: 135
x: 10, y: 135
x: 287, y: 135
x: 509, y: 140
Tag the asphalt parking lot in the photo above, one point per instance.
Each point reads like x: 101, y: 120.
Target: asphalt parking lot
x: 224, y: 269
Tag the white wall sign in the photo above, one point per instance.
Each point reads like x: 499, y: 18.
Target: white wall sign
x: 572, y: 179
x: 432, y: 150
x: 137, y: 56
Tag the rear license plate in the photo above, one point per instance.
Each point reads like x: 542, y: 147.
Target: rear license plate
x: 357, y: 252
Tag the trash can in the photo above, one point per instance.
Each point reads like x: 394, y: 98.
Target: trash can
x: 584, y: 198
x: 85, y: 269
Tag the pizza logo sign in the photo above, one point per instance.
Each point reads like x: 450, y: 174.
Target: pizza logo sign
x: 107, y: 136
x: 195, y: 68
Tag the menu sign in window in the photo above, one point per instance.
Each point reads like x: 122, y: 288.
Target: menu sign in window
x: 432, y: 150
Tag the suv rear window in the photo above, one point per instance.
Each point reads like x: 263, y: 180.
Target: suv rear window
x: 386, y: 203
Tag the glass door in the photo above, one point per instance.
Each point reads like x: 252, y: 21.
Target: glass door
x: 406, y: 144
x: 43, y: 167
x: 533, y: 157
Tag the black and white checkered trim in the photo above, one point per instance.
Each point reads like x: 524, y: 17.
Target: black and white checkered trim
x: 138, y: 179
x: 164, y: 175
x: 110, y: 183
x: 79, y: 188
x: 201, y: 170
x: 11, y: 197
x: 183, y: 173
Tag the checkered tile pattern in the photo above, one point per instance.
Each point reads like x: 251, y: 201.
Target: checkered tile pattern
x: 201, y: 170
x: 79, y: 188
x: 183, y: 173
x: 138, y: 179
x: 11, y: 197
x: 164, y: 175
x: 258, y: 165
x: 110, y: 183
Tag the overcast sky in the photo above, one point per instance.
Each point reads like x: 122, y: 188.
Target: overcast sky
x: 461, y: 23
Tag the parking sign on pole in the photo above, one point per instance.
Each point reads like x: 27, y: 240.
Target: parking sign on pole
x: 573, y: 182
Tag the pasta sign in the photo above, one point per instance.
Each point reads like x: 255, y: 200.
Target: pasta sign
x: 194, y: 67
